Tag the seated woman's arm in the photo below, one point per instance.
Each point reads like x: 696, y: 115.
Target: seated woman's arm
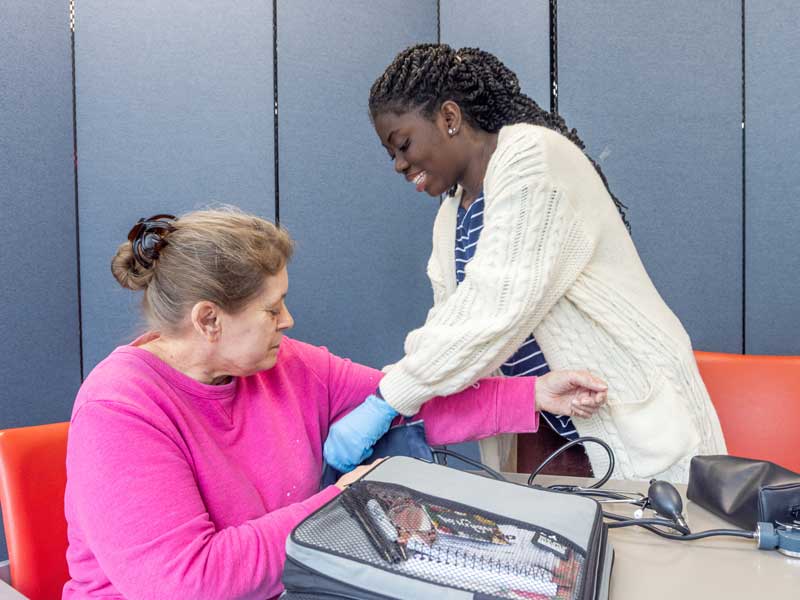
x: 150, y: 530
x: 491, y: 406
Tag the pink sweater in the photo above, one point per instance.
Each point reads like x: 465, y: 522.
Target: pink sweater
x: 177, y: 489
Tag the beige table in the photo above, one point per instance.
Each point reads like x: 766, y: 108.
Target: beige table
x: 9, y: 593
x: 648, y: 567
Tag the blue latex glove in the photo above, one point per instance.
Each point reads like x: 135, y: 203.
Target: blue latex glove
x: 351, y: 438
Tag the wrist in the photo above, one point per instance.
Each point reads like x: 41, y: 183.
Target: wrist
x: 379, y: 402
x: 543, y: 399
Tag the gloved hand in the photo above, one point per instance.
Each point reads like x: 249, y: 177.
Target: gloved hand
x: 351, y: 438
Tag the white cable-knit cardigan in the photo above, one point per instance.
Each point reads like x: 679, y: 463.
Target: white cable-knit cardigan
x: 555, y: 259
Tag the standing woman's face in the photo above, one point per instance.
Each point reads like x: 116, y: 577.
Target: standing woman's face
x: 421, y: 149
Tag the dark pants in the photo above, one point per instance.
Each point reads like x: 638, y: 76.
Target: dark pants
x: 533, y: 448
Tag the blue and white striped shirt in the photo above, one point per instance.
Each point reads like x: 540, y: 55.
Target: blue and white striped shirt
x: 528, y: 359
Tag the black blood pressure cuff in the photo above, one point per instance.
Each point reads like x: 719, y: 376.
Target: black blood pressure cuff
x: 744, y: 491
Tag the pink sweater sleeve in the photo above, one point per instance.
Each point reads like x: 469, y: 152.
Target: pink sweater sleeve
x: 490, y: 406
x: 154, y: 517
x: 347, y: 383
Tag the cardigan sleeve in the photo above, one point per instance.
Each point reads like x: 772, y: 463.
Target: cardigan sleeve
x: 437, y: 286
x: 532, y: 248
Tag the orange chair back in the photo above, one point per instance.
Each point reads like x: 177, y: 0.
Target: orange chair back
x: 33, y: 476
x: 758, y: 402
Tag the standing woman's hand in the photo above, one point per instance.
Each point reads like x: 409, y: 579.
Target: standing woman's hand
x: 570, y: 393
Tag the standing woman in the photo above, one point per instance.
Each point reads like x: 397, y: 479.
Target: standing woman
x: 532, y: 268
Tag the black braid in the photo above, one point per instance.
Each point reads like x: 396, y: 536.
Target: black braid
x: 426, y: 75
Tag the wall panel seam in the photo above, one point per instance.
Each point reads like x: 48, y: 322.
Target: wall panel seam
x: 553, y: 56
x: 76, y: 205
x: 744, y: 191
x: 275, y: 150
x: 438, y: 21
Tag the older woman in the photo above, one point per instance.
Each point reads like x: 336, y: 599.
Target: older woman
x: 195, y: 449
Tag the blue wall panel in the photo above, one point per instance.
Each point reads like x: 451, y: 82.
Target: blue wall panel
x: 772, y: 47
x: 655, y: 92
x: 174, y: 112
x: 40, y: 370
x: 363, y: 234
x: 516, y: 31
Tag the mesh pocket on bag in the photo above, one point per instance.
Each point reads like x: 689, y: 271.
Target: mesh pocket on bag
x: 400, y: 530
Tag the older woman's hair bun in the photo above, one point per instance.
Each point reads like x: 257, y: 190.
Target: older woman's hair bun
x: 132, y: 266
x: 127, y: 271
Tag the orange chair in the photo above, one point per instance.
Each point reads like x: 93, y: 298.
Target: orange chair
x: 758, y: 402
x: 33, y: 477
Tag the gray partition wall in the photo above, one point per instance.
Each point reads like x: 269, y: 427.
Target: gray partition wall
x: 357, y: 282
x: 516, y: 31
x: 40, y: 370
x: 38, y: 264
x: 174, y: 112
x: 654, y: 89
x: 772, y: 71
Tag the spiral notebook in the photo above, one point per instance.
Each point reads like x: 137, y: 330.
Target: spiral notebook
x: 474, y: 550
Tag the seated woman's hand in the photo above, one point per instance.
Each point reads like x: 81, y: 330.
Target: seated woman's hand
x: 570, y: 393
x: 356, y: 474
x: 351, y: 438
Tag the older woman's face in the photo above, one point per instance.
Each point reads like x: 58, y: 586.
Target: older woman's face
x: 251, y: 338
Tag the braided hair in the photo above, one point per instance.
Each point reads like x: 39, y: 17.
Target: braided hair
x: 424, y: 76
